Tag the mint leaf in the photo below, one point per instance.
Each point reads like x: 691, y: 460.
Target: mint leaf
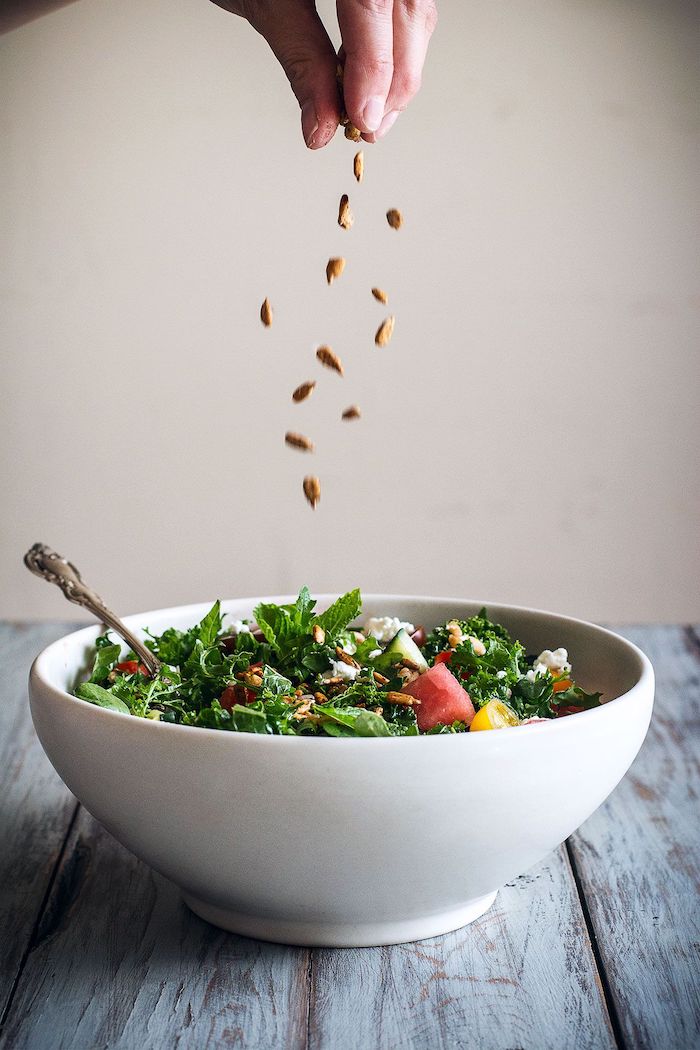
x: 95, y: 694
x: 275, y: 684
x: 369, y: 723
x: 354, y: 719
x: 246, y: 720
x: 272, y: 622
x: 577, y: 696
x: 341, y: 613
x: 105, y: 659
x: 210, y: 626
x: 304, y: 607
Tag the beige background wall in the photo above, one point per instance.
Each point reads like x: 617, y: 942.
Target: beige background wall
x: 530, y: 434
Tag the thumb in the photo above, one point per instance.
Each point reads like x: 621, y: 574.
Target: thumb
x: 298, y: 38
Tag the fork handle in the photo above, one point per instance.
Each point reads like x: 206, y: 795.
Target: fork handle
x: 50, y: 566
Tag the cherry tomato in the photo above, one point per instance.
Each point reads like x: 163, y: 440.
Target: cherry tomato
x: 444, y: 657
x: 236, y: 694
x: 132, y: 667
x: 568, y: 709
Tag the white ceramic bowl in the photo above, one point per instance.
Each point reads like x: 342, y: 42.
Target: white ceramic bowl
x: 343, y: 841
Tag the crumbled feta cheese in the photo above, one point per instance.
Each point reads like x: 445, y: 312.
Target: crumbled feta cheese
x: 341, y: 670
x: 375, y: 652
x: 556, y: 662
x: 383, y: 628
x: 347, y: 644
x: 500, y: 674
x: 240, y: 627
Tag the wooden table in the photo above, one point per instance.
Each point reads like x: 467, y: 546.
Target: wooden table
x: 595, y: 947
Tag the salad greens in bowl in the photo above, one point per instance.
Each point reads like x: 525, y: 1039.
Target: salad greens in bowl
x: 295, y: 670
x: 314, y: 774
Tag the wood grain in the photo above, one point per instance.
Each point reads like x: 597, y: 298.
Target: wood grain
x: 118, y: 961
x: 522, y: 976
x: 638, y: 861
x: 35, y: 807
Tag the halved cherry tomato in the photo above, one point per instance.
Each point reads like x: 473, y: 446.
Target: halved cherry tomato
x: 568, y: 709
x: 561, y: 685
x: 236, y: 694
x: 493, y: 715
x: 444, y: 657
x: 132, y: 667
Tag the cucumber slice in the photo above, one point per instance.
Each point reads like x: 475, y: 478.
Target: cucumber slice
x: 403, y: 645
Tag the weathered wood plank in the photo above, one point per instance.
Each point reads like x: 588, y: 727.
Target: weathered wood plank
x: 522, y: 976
x: 35, y: 807
x: 638, y: 860
x: 118, y: 961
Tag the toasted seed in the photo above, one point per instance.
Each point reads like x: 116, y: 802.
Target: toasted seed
x: 334, y: 268
x: 299, y: 441
x: 352, y: 412
x: 320, y: 698
x: 401, y: 698
x: 394, y: 218
x: 345, y: 658
x: 312, y: 489
x: 380, y: 295
x: 410, y: 664
x: 379, y: 678
x: 318, y: 633
x: 266, y: 313
x: 358, y: 165
x: 345, y: 215
x: 304, y: 390
x: 385, y: 331
x: 352, y: 133
x: 329, y: 359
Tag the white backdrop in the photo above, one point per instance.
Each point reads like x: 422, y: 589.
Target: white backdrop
x: 529, y: 435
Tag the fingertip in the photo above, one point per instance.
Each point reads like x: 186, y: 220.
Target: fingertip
x: 388, y: 123
x: 322, y: 134
x: 309, y: 123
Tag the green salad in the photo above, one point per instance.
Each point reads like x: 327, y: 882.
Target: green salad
x: 292, y: 670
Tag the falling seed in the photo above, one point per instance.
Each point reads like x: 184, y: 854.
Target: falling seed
x: 299, y: 441
x: 380, y: 295
x: 385, y: 331
x: 266, y: 313
x: 358, y: 165
x: 334, y: 268
x: 352, y: 412
x: 303, y: 391
x: 312, y: 489
x: 329, y: 359
x: 345, y: 215
x: 394, y: 218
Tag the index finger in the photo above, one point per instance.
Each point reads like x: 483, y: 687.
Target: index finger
x: 366, y: 27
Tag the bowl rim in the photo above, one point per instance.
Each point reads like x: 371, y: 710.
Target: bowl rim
x: 645, y: 678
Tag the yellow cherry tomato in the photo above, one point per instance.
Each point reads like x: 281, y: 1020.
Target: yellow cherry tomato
x: 494, y: 715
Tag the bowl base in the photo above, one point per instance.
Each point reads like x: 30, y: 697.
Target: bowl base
x: 340, y: 935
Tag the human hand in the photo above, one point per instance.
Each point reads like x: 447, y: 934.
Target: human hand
x: 384, y: 43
